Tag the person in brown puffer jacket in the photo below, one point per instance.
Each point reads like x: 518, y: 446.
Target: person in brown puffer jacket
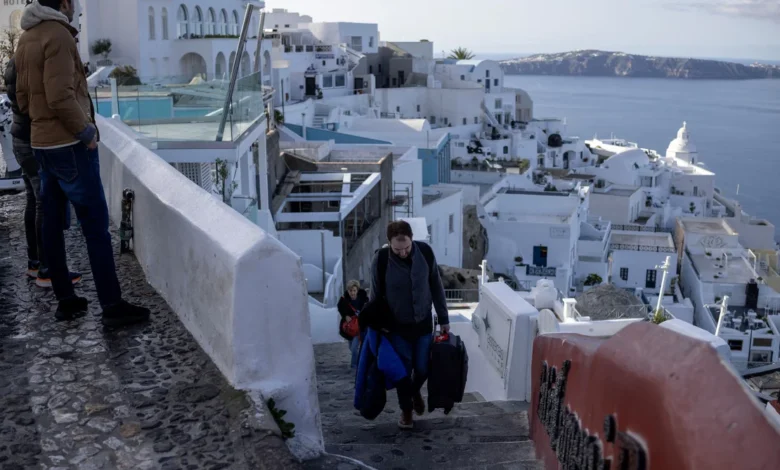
x: 51, y: 89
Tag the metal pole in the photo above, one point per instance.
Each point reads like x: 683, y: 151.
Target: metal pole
x: 283, y: 100
x: 665, y: 268
x: 234, y: 72
x: 322, y: 243
x: 723, y: 308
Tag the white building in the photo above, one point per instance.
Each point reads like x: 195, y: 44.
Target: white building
x: 317, y: 59
x: 169, y: 42
x: 636, y: 258
x: 533, y: 234
x: 715, y: 265
x: 443, y: 212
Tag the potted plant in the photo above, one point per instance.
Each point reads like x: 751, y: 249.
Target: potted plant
x: 519, y: 261
x: 592, y: 280
x: 102, y: 47
x: 125, y: 75
x: 659, y: 317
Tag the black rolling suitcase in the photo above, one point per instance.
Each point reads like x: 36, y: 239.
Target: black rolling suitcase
x: 448, y: 370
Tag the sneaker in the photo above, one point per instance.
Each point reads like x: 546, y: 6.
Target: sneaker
x: 124, y: 314
x: 406, y: 421
x: 32, y: 268
x: 44, y: 280
x: 419, y: 404
x: 71, y: 308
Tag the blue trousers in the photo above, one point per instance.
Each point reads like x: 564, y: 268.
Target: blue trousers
x: 354, y: 346
x: 416, y: 355
x: 72, y: 174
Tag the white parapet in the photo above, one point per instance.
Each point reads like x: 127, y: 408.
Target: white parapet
x: 239, y: 291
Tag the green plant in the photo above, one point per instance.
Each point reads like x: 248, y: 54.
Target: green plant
x: 288, y: 429
x: 659, y: 317
x: 102, y: 47
x: 278, y: 116
x: 222, y: 174
x: 519, y: 260
x: 461, y: 53
x: 692, y: 208
x: 126, y: 75
x: 717, y: 300
x: 593, y: 279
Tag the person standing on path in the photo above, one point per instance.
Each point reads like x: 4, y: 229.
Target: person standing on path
x: 52, y: 90
x: 33, y: 212
x: 412, y: 285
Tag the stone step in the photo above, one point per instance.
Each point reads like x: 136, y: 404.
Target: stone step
x: 497, y: 428
x: 427, y: 455
x: 342, y: 399
x: 391, y: 413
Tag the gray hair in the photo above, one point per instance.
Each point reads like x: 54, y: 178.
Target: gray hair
x: 353, y: 283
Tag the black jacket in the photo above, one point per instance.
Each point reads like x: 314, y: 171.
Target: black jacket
x: 21, y: 128
x: 345, y: 308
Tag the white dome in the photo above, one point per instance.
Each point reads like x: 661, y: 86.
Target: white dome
x: 682, y: 144
x: 621, y: 168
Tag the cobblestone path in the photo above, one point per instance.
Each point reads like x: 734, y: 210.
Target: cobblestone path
x: 73, y: 395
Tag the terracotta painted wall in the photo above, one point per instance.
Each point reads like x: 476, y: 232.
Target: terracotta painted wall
x: 666, y: 399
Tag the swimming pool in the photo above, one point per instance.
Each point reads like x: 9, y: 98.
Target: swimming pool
x: 135, y: 109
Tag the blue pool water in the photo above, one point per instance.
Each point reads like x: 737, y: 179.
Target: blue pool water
x: 149, y: 108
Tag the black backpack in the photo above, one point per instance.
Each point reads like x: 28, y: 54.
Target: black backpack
x: 376, y: 313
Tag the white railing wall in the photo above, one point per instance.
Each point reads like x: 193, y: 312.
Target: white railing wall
x: 240, y: 292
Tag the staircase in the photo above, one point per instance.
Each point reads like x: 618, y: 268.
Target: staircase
x: 475, y: 435
x: 319, y: 121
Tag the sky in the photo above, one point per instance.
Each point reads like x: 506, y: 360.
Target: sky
x: 740, y: 29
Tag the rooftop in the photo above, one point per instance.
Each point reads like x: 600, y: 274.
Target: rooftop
x: 618, y: 192
x: 737, y: 270
x: 660, y: 240
x: 707, y: 226
x: 742, y: 319
x: 765, y: 380
x: 435, y: 193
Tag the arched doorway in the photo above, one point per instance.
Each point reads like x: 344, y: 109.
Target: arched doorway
x: 15, y: 22
x: 192, y: 65
x: 246, y: 65
x: 220, y: 70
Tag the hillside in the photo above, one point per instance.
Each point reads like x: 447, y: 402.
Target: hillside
x: 595, y: 63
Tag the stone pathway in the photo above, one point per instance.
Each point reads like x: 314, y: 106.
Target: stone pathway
x: 73, y: 395
x: 475, y: 435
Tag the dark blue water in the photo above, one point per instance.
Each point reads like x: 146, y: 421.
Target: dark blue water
x: 734, y: 124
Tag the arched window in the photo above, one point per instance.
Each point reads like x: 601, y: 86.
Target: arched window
x: 197, y: 23
x: 182, y: 22
x: 223, y: 22
x: 211, y: 24
x: 234, y: 25
x: 152, y: 32
x: 164, y: 23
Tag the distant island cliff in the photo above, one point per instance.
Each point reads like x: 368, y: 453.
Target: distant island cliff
x: 593, y: 63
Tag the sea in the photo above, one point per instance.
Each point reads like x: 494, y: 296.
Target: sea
x: 734, y: 124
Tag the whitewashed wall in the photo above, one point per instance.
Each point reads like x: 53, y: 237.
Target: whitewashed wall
x: 225, y: 278
x: 447, y: 245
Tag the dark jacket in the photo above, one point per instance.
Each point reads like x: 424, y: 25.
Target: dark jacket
x: 411, y: 289
x: 346, y: 309
x: 21, y: 126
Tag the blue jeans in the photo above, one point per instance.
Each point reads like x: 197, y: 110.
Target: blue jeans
x: 72, y: 174
x: 354, y: 346
x: 416, y: 355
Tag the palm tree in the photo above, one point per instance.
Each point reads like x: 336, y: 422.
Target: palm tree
x: 461, y: 53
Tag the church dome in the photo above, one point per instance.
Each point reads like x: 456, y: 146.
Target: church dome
x: 682, y: 144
